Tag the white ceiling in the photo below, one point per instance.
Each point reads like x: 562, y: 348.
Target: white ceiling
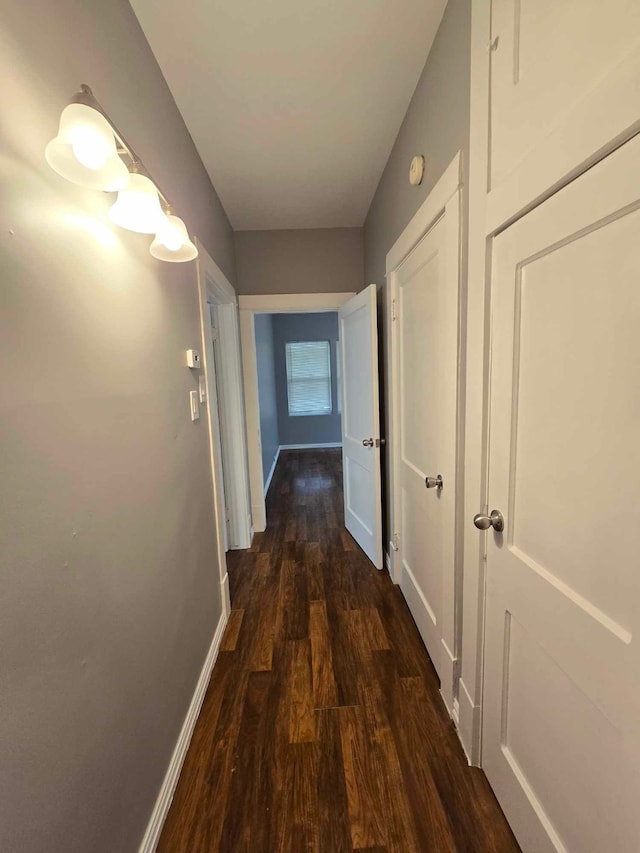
x: 294, y: 105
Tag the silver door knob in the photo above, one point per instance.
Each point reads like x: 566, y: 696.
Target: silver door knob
x: 368, y: 442
x: 434, y: 482
x: 495, y: 520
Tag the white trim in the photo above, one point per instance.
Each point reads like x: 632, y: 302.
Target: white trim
x: 387, y: 563
x: 252, y: 411
x: 393, y: 562
x: 276, y: 303
x: 476, y: 391
x: 214, y: 288
x: 443, y: 201
x: 469, y: 719
x: 168, y: 787
x: 447, y: 686
x: 598, y: 123
x: 225, y: 595
x: 310, y: 446
x: 270, y: 474
x: 259, y: 512
x: 455, y: 712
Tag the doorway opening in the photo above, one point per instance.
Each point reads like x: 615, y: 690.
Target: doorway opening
x: 220, y: 392
x: 298, y: 374
x: 311, y: 380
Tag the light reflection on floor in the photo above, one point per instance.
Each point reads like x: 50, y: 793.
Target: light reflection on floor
x: 312, y: 484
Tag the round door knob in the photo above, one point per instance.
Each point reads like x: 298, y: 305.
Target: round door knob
x: 368, y: 442
x: 434, y: 482
x: 495, y: 520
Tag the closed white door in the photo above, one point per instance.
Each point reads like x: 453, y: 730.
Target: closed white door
x: 561, y: 743
x: 361, y: 422
x: 426, y: 293
x: 549, y: 55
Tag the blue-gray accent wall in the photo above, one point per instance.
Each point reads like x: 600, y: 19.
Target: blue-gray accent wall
x: 311, y: 429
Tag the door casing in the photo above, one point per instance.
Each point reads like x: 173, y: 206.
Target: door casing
x: 277, y: 303
x: 443, y: 202
x: 215, y: 289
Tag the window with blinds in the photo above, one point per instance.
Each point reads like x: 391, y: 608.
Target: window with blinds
x: 309, y: 378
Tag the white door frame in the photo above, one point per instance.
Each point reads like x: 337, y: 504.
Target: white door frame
x: 214, y: 406
x: 443, y: 200
x: 277, y: 303
x: 214, y: 288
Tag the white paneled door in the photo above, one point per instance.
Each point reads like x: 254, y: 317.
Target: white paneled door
x: 561, y: 742
x: 547, y: 55
x: 361, y: 422
x: 426, y: 352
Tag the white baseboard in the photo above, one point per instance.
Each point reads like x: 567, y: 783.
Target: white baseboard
x: 310, y: 446
x: 455, y: 714
x: 270, y: 474
x: 469, y: 725
x: 225, y: 596
x: 392, y: 563
x: 387, y: 563
x: 259, y: 515
x: 165, y: 796
x: 448, y: 663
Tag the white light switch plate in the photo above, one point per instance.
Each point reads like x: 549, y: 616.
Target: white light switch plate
x: 193, y: 358
x: 194, y: 406
x: 202, y: 389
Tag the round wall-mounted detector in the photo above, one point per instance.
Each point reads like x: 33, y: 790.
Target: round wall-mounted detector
x: 416, y: 170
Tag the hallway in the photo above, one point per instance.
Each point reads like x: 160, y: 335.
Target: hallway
x: 322, y: 728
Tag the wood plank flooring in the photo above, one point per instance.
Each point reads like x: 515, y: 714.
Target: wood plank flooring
x: 322, y: 729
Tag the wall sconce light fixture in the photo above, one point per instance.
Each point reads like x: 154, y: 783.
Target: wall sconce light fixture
x: 90, y: 152
x: 84, y: 151
x: 137, y: 207
x: 172, y: 242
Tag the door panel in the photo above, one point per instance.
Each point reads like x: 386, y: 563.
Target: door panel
x: 548, y: 56
x: 427, y: 299
x: 361, y: 421
x: 562, y: 661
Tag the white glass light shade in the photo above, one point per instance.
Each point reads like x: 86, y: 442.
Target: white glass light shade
x: 137, y: 207
x: 84, y: 151
x: 172, y: 242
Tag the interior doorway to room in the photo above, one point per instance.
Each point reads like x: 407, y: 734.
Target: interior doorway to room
x: 311, y: 383
x: 219, y: 388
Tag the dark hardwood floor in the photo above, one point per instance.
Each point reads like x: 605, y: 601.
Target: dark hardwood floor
x: 322, y: 728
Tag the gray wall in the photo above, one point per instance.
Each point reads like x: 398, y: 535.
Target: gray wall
x: 265, y: 357
x: 437, y: 126
x: 313, y: 429
x: 110, y: 590
x: 318, y: 260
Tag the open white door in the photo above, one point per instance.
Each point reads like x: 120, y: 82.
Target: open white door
x: 361, y: 422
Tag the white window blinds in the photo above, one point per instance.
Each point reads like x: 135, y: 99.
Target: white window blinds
x: 309, y: 378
